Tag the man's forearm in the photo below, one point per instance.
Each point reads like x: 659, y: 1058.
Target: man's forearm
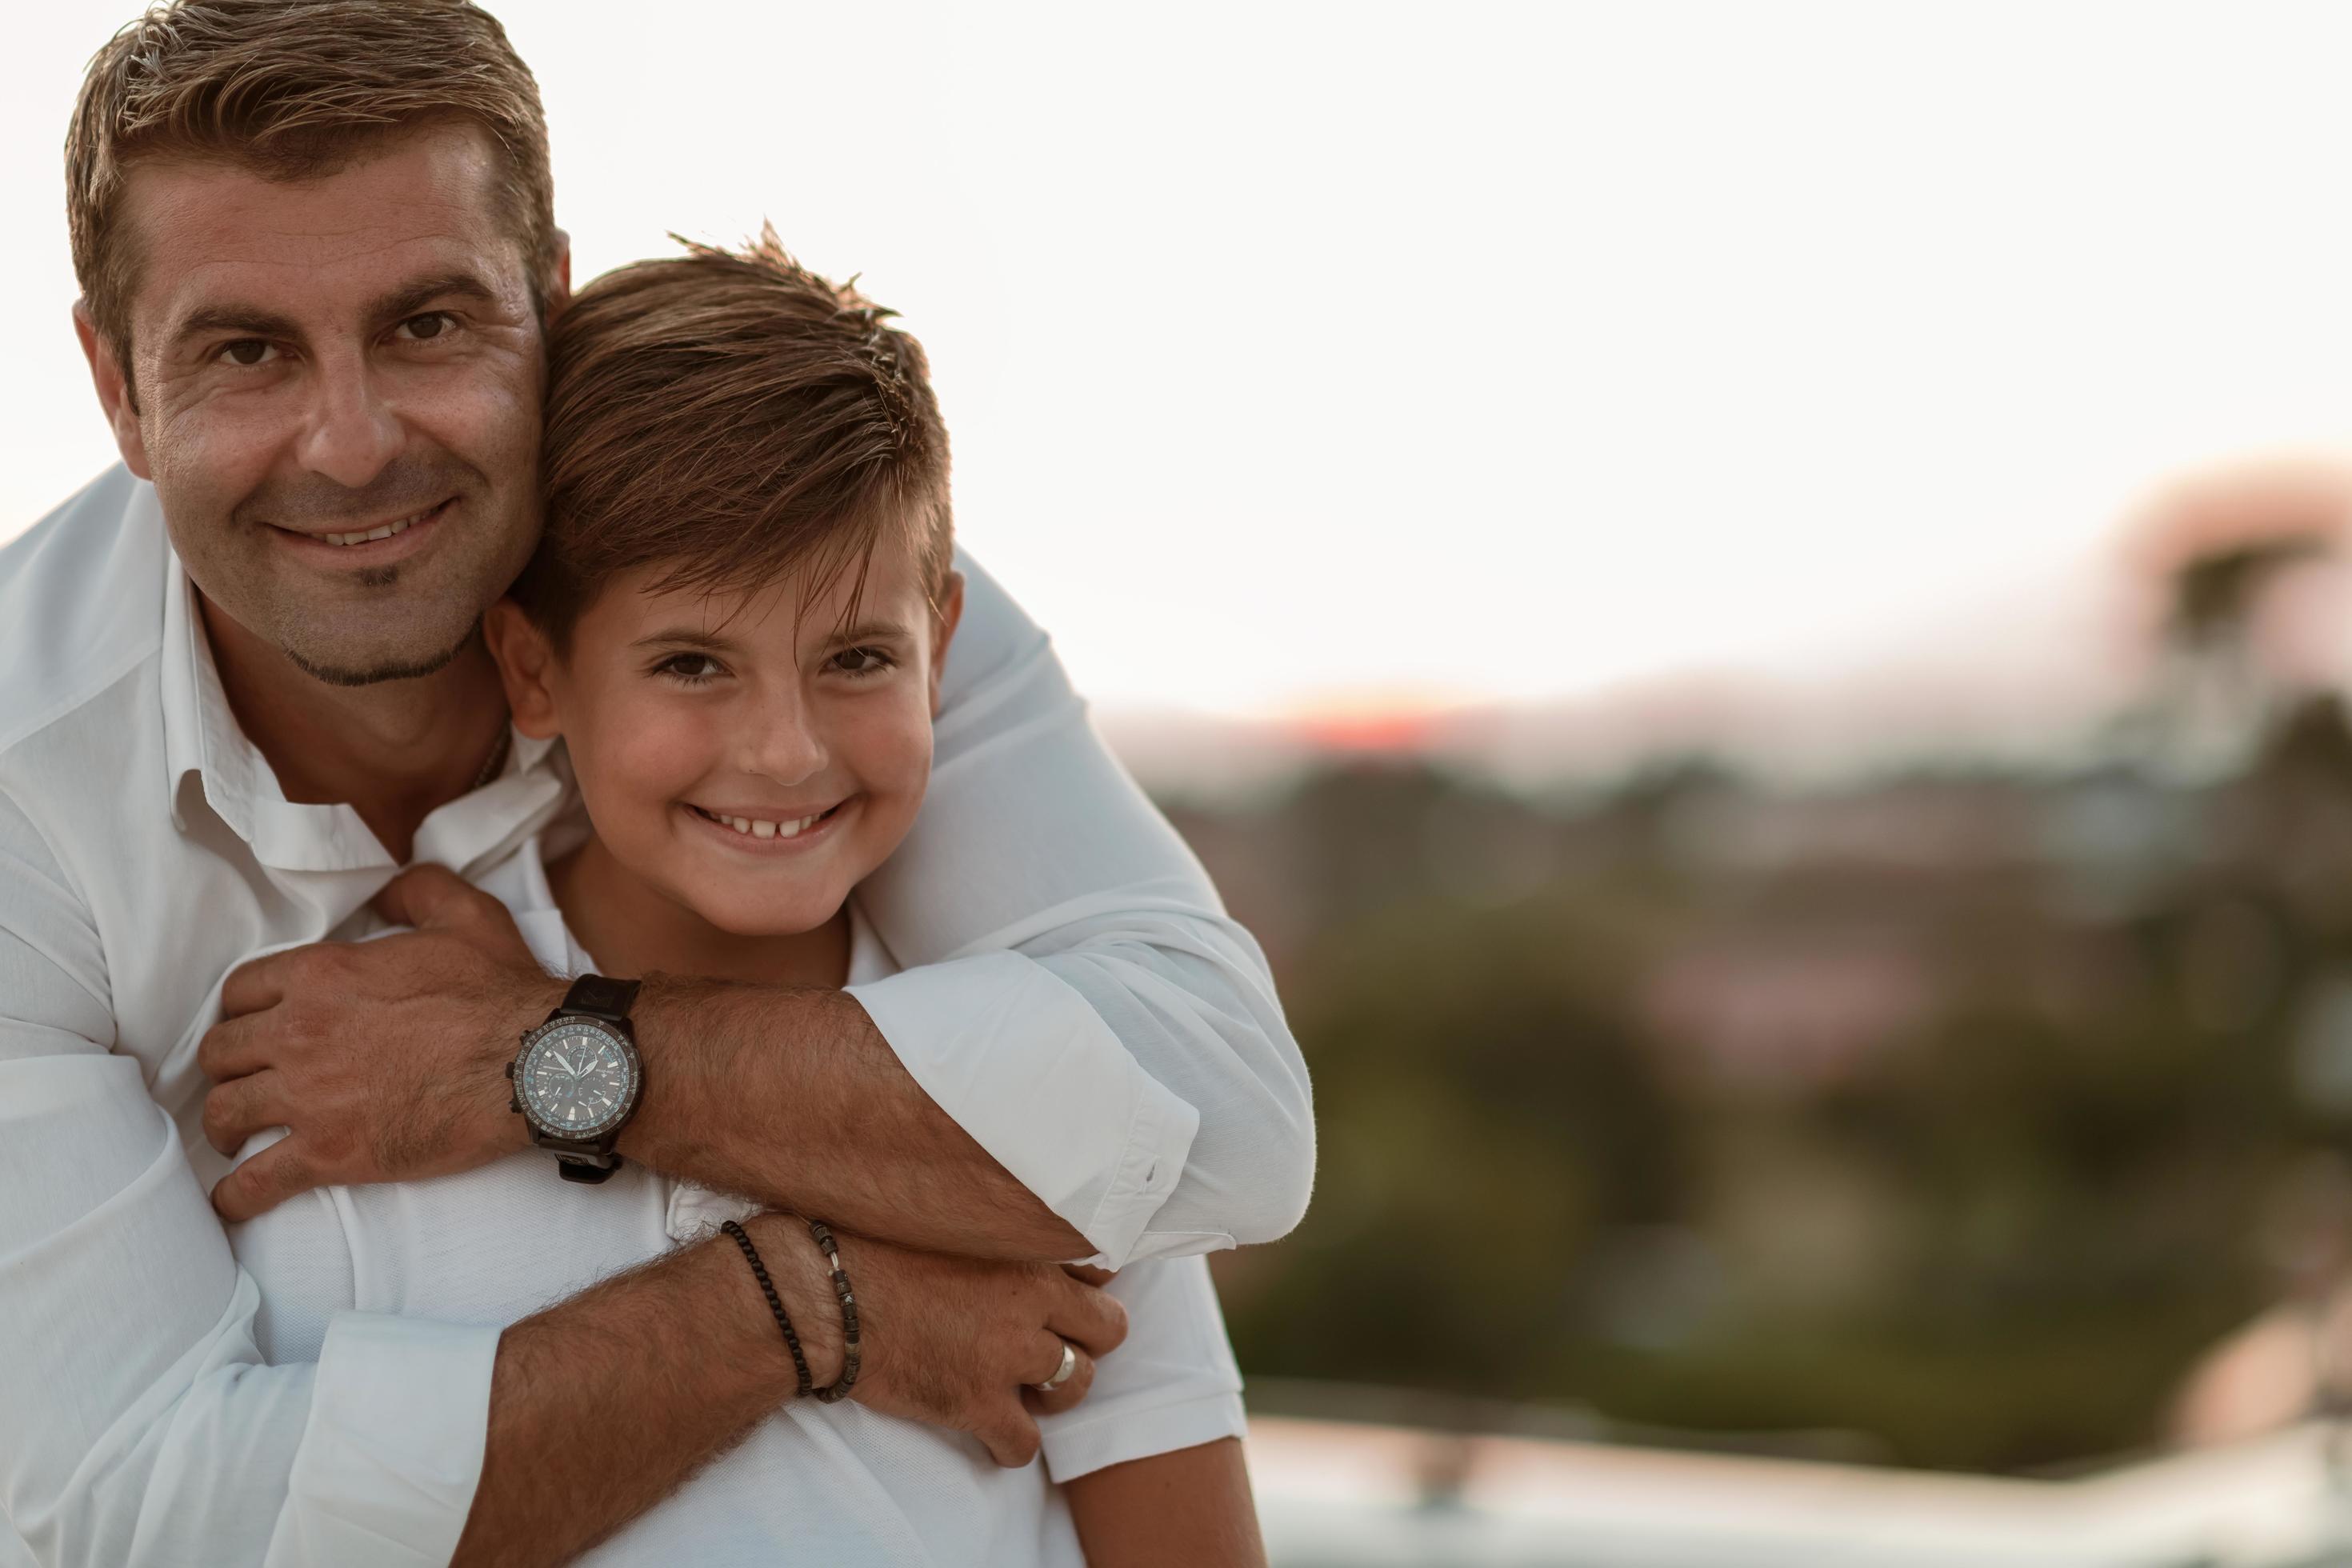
x: 600, y: 1406
x: 792, y: 1098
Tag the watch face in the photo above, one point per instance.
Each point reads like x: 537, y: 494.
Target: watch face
x: 577, y: 1079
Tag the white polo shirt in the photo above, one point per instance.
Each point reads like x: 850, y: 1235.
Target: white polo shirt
x: 1067, y: 964
x: 815, y: 1482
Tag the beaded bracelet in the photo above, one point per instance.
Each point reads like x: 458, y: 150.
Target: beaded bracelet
x: 775, y: 1303
x: 849, y: 1355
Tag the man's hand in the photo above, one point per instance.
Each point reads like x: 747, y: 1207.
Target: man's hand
x: 958, y: 1342
x: 384, y: 1057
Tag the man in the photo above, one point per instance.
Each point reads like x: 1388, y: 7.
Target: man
x: 245, y: 687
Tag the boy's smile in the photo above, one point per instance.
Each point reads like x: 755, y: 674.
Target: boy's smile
x: 747, y: 759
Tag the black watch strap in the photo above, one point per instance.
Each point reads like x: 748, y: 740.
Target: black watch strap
x: 596, y: 997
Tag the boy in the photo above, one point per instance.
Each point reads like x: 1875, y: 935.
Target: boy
x: 736, y: 621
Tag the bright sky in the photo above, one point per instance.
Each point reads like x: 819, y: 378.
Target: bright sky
x: 1299, y: 352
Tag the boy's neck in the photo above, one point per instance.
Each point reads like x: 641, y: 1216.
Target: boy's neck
x: 631, y: 928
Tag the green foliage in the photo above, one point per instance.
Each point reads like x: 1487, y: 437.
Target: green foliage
x: 1727, y: 1111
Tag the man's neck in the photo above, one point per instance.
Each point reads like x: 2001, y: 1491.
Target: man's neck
x: 394, y: 752
x: 630, y: 928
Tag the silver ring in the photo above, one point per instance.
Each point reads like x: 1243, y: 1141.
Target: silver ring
x: 1062, y: 1373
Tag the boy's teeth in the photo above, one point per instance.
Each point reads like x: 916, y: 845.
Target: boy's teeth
x: 758, y: 828
x: 387, y: 532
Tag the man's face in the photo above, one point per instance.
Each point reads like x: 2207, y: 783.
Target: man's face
x: 317, y: 362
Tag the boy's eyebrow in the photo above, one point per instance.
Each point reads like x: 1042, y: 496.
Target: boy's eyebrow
x: 870, y: 631
x: 686, y: 637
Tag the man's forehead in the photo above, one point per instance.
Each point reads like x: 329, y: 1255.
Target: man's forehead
x: 426, y: 203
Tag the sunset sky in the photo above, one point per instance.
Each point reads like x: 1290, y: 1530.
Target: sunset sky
x: 1339, y: 358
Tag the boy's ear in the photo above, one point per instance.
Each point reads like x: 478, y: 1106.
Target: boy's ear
x: 113, y: 379
x: 526, y: 660
x: 951, y: 612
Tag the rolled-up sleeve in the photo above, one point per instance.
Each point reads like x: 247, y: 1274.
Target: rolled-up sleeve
x: 1078, y: 939
x: 139, y: 1422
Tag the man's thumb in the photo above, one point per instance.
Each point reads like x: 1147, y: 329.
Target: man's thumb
x: 427, y: 896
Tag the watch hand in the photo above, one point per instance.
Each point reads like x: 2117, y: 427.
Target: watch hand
x: 566, y: 1066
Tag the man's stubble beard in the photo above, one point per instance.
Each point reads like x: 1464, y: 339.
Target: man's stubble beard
x: 373, y: 674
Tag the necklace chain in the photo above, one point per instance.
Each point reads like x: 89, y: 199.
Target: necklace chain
x: 498, y: 760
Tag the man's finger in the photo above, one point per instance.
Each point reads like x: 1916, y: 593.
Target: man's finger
x: 255, y: 986
x: 1096, y: 1322
x: 1066, y: 1394
x: 1012, y: 1441
x: 236, y: 1110
x: 1087, y: 1274
x: 264, y: 1182
x: 431, y: 897
x: 233, y: 1047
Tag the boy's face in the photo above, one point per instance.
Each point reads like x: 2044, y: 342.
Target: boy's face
x: 747, y: 760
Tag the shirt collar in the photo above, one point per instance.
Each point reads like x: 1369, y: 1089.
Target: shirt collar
x: 201, y: 737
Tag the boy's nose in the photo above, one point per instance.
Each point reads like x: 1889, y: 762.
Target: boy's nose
x: 784, y: 749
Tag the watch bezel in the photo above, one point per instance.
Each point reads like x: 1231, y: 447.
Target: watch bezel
x: 585, y: 1131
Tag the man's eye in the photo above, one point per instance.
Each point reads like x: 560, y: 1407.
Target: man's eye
x: 690, y: 668
x: 862, y: 661
x: 245, y: 352
x: 426, y: 327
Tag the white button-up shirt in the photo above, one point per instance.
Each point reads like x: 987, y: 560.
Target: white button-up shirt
x: 814, y: 1483
x: 1068, y: 967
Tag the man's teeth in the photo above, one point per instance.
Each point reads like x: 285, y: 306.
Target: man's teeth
x: 760, y: 829
x: 387, y: 532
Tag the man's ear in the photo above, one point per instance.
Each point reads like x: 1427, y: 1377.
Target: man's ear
x: 526, y: 664
x: 107, y: 373
x: 943, y: 630
x: 558, y: 283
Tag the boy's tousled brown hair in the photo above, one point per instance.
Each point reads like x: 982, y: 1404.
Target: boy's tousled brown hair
x: 732, y: 417
x: 292, y: 88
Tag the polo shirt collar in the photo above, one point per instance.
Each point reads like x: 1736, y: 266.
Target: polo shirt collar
x: 201, y: 738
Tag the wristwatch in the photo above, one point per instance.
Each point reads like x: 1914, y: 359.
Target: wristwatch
x: 578, y: 1078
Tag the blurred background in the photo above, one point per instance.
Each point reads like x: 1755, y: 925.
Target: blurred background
x: 1751, y: 601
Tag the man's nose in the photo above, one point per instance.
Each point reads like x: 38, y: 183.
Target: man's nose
x: 353, y: 432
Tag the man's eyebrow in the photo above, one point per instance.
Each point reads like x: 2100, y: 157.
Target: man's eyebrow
x: 247, y: 321
x: 253, y: 322
x: 411, y: 298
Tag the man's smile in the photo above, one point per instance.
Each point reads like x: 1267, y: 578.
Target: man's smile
x: 369, y: 544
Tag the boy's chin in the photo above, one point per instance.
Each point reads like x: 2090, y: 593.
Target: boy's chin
x: 764, y: 917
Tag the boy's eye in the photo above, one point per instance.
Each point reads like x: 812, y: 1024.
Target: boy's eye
x: 693, y: 668
x: 862, y: 661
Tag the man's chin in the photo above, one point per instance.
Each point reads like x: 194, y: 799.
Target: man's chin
x: 360, y: 669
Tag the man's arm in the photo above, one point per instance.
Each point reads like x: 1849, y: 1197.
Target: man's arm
x: 139, y: 1422
x: 135, y: 1414
x: 600, y: 1408
x: 788, y: 1096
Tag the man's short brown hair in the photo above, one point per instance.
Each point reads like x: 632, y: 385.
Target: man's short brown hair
x: 733, y: 417
x: 292, y: 89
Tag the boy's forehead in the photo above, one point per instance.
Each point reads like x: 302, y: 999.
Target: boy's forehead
x: 889, y: 600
